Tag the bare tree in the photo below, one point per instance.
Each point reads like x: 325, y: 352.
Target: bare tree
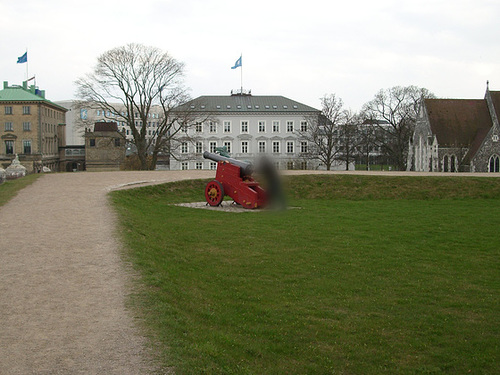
x: 348, y: 137
x: 128, y: 82
x: 322, y: 134
x: 398, y: 106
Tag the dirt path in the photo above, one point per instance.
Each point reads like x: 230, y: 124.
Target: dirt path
x: 62, y: 284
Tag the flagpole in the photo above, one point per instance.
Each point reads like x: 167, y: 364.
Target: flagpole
x: 241, y: 81
x: 27, y: 75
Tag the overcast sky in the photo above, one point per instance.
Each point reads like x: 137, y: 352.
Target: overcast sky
x: 301, y: 50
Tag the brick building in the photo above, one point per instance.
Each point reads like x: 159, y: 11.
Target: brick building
x: 104, y: 147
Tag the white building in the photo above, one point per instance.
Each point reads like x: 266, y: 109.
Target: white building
x: 248, y: 126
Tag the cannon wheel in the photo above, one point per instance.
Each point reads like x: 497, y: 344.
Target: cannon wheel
x: 214, y: 193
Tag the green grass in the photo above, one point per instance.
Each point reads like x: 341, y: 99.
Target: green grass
x: 11, y: 187
x: 355, y: 281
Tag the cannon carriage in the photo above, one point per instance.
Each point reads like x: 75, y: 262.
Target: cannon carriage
x: 234, y: 179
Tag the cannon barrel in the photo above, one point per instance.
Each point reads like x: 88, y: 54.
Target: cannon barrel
x: 246, y: 168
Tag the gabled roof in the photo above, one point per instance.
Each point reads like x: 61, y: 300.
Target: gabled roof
x: 495, y: 98
x: 458, y: 122
x: 24, y: 94
x: 246, y: 104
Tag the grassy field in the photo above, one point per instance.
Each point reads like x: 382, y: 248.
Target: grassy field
x: 10, y: 188
x: 368, y: 275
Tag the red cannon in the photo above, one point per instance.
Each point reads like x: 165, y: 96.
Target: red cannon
x: 234, y: 178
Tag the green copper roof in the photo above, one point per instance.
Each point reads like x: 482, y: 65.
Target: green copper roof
x: 24, y: 93
x: 248, y: 103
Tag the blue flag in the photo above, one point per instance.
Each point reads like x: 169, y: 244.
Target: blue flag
x: 23, y: 58
x: 237, y: 63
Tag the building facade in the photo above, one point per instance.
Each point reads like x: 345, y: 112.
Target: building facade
x: 32, y: 127
x: 104, y: 147
x: 248, y: 127
x: 457, y: 135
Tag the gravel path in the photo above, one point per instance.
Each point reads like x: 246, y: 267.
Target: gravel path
x: 63, y: 286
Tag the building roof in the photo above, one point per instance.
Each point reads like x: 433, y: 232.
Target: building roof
x: 495, y: 98
x: 458, y: 122
x: 247, y: 103
x: 24, y: 93
x: 105, y: 127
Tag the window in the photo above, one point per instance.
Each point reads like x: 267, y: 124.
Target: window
x: 199, y: 147
x: 227, y: 126
x: 244, y: 126
x: 92, y: 142
x: 494, y: 164
x: 289, y: 126
x: 199, y: 128
x: 83, y: 114
x: 276, y: 147
x: 213, y: 146
x: 9, y: 147
x: 199, y: 165
x: 26, y: 126
x: 303, y: 147
x: 213, y: 165
x: 262, y: 146
x: 8, y: 110
x: 26, y: 110
x: 303, y: 126
x: 227, y: 145
x: 289, y: 147
x: 9, y: 127
x: 276, y: 126
x: 184, y: 148
x: 184, y: 166
x: 289, y: 165
x: 212, y: 127
x: 117, y: 142
x: 27, y: 147
x: 244, y: 147
x: 262, y: 126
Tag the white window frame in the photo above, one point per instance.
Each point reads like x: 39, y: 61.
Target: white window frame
x: 199, y: 147
x: 227, y: 145
x: 303, y: 126
x: 227, y: 126
x: 290, y: 147
x: 262, y: 147
x: 289, y: 126
x: 276, y: 147
x: 212, y: 146
x: 276, y: 126
x: 303, y: 147
x: 262, y: 126
x: 199, y: 127
x: 184, y: 166
x: 184, y: 148
x: 244, y: 147
x: 244, y: 127
x: 212, y: 127
x: 199, y: 165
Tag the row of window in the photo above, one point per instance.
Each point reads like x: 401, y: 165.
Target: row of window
x: 9, y: 126
x: 100, y: 112
x: 9, y: 147
x: 245, y: 147
x: 244, y: 127
x: 213, y: 165
x: 9, y: 110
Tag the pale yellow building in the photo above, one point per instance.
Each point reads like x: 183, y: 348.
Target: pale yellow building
x: 31, y: 127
